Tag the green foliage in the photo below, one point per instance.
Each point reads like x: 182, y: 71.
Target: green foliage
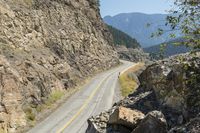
x: 30, y: 115
x: 192, y: 81
x: 170, y: 48
x: 187, y: 19
x: 121, y: 38
x: 162, y: 50
x: 158, y: 33
x: 41, y: 107
x: 55, y: 96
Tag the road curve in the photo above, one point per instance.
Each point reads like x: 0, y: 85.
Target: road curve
x: 95, y: 97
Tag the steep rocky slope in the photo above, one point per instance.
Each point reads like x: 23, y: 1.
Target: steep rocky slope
x: 132, y: 54
x: 167, y: 100
x: 47, y: 45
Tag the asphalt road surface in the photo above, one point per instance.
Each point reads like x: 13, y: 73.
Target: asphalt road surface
x: 96, y: 96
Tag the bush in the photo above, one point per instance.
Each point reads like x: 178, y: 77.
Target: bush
x: 54, y: 96
x: 30, y: 115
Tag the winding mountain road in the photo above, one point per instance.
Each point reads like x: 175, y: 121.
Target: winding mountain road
x: 96, y: 96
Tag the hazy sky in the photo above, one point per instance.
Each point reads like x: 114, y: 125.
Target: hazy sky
x: 113, y: 7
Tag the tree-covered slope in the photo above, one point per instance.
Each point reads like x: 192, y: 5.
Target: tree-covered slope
x: 135, y: 25
x: 121, y: 38
x: 170, y: 49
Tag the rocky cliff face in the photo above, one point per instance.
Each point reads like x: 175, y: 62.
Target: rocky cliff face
x: 132, y: 54
x: 168, y: 95
x: 47, y: 45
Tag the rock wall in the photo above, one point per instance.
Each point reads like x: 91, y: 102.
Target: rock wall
x: 47, y: 45
x: 132, y: 54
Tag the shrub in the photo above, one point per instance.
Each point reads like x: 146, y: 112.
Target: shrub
x: 54, y: 96
x: 30, y: 115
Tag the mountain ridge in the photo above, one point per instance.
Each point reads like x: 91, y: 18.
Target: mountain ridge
x: 135, y: 13
x: 170, y: 49
x: 135, y: 25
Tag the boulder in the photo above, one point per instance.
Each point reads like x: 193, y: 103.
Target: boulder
x: 191, y: 127
x: 176, y: 84
x: 92, y: 127
x: 132, y: 54
x: 98, y: 124
x: 167, y: 83
x: 154, y: 122
x: 126, y: 117
x: 118, y: 129
x: 171, y: 86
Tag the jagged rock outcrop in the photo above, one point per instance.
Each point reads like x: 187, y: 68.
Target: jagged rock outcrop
x: 175, y: 82
x: 47, y: 45
x: 193, y: 126
x: 126, y: 117
x: 171, y: 86
x: 154, y: 122
x: 132, y: 54
x: 98, y: 124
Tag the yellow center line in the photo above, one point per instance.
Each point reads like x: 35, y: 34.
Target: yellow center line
x: 84, y: 105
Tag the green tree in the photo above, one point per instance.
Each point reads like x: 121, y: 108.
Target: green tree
x: 121, y: 38
x: 186, y: 18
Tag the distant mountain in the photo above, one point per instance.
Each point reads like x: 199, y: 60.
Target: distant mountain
x: 135, y: 25
x: 121, y: 38
x: 171, y: 49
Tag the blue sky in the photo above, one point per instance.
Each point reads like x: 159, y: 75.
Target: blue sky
x: 113, y: 7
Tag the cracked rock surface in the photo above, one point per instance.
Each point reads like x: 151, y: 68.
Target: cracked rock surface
x: 46, y: 46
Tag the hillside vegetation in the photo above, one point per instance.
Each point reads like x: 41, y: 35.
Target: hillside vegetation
x: 135, y: 25
x: 170, y: 49
x: 128, y: 80
x: 121, y: 38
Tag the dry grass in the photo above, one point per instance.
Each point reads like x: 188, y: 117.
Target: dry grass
x: 3, y: 131
x: 127, y: 83
x: 30, y: 116
x: 52, y: 99
x: 54, y: 96
x: 28, y: 3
